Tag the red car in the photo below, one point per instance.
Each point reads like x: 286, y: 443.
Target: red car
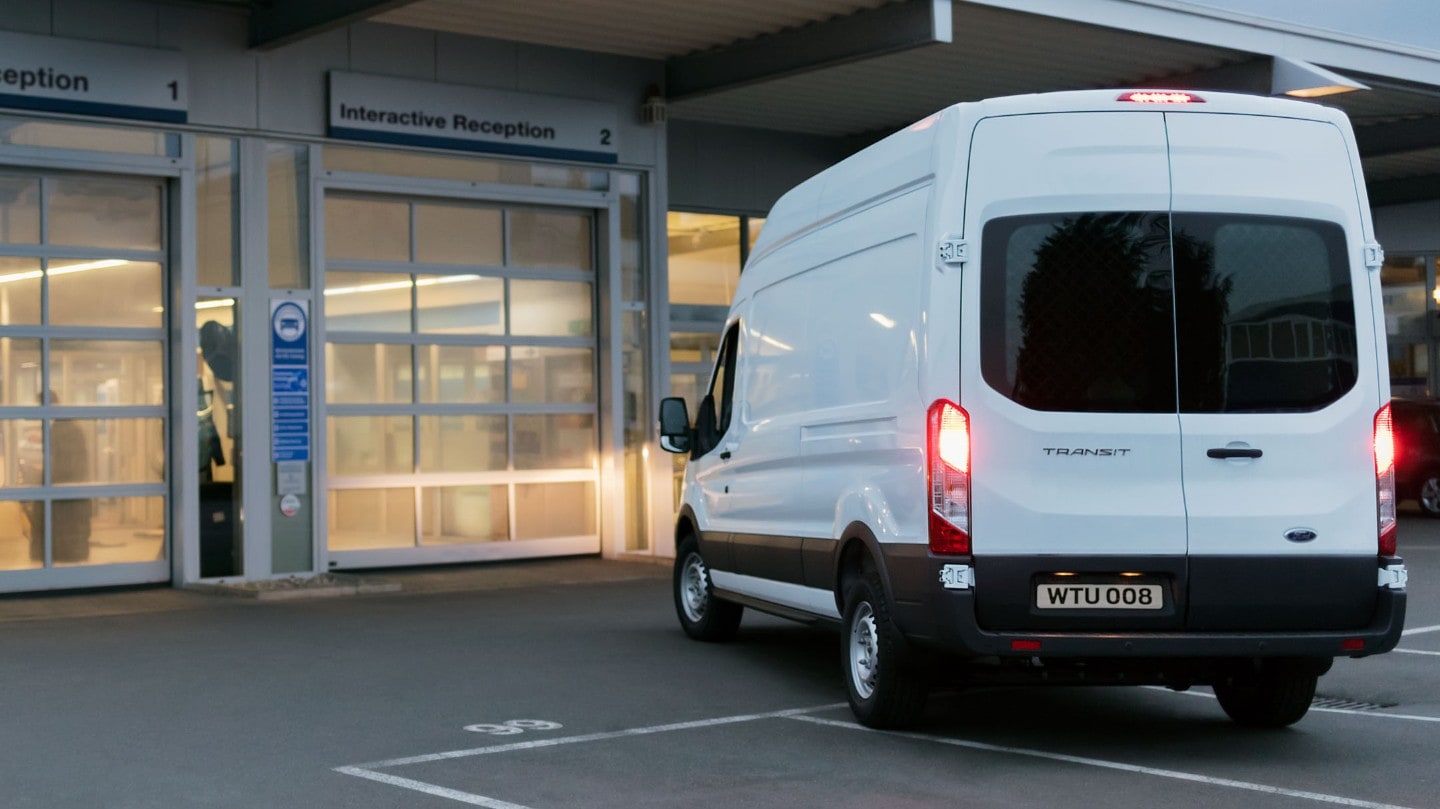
x: 1417, y: 452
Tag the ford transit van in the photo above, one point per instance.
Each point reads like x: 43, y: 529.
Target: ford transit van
x: 1084, y: 387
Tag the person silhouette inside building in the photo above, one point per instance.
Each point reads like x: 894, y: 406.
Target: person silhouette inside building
x: 69, y: 460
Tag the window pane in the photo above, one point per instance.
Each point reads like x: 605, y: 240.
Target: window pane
x: 1265, y: 313
x: 96, y: 212
x: 1043, y: 278
x: 24, y: 453
x: 704, y: 258
x: 367, y: 373
x: 19, y: 290
x: 458, y: 234
x: 462, y: 374
x: 694, y: 347
x: 367, y: 229
x: 287, y: 176
x: 19, y: 210
x: 371, y: 445
x: 460, y: 304
x: 19, y: 371
x: 17, y: 132
x: 462, y: 443
x: 367, y: 301
x: 216, y: 187
x: 107, y: 372
x: 22, y: 534
x: 1402, y: 284
x: 107, y: 531
x: 633, y: 276
x: 463, y: 514
x: 112, y: 292
x: 99, y: 452
x: 565, y: 441
x: 557, y: 240
x: 545, y: 510
x: 559, y: 375
x: 435, y: 167
x: 366, y: 519
x: 550, y: 309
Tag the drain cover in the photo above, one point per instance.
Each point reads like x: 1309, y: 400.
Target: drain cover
x: 1342, y: 704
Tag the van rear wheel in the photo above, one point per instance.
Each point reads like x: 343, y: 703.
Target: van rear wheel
x: 701, y: 614
x: 886, y: 687
x: 1429, y: 495
x: 1275, y: 695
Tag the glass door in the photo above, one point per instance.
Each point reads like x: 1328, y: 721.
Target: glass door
x: 83, y: 416
x: 461, y: 387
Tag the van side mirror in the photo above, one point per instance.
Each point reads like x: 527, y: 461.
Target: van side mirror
x: 675, y: 432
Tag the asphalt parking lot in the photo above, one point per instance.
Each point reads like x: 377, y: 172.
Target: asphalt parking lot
x: 582, y: 692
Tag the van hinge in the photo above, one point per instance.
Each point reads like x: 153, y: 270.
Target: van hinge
x: 1374, y: 256
x: 954, y: 251
x: 1395, y: 577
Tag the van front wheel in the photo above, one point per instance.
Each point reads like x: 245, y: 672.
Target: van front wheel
x: 701, y: 614
x: 1274, y: 696
x: 886, y: 687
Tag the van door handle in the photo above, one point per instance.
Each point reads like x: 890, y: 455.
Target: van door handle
x: 1233, y: 452
x: 725, y: 453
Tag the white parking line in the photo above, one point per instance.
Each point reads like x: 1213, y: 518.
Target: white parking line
x: 430, y: 789
x: 1420, y: 630
x: 1111, y: 765
x: 1415, y: 652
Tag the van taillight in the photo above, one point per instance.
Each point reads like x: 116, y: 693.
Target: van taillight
x: 1385, y: 480
x: 948, y: 462
x: 1161, y: 97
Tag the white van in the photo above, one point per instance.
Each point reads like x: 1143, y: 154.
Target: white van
x: 1084, y: 387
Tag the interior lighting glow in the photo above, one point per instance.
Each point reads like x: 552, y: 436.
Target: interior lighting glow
x: 89, y: 265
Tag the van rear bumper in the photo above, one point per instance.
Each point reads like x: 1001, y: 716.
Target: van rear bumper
x: 946, y: 620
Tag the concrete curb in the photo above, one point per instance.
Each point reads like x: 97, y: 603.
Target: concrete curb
x: 327, y: 585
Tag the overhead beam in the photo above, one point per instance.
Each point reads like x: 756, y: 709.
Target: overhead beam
x: 1409, y: 189
x: 280, y: 22
x: 1267, y: 75
x: 862, y: 35
x: 1376, y: 140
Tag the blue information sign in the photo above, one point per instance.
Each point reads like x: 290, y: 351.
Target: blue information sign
x: 289, y: 380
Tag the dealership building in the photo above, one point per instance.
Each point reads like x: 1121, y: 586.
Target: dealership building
x: 293, y: 287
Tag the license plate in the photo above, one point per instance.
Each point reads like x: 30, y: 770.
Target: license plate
x: 1052, y: 596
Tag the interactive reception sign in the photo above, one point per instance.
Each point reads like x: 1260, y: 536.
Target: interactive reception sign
x: 448, y: 116
x: 92, y: 78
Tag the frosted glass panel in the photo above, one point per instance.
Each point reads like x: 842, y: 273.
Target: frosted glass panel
x: 458, y: 234
x: 96, y: 452
x: 461, y: 374
x: 460, y: 304
x: 367, y: 373
x: 367, y: 301
x: 104, y: 212
x: 371, y: 445
x: 553, y: 375
x: 19, y: 291
x: 544, y: 510
x: 464, y: 514
x: 462, y: 443
x: 111, y: 292
x: 552, y: 240
x: 551, y: 309
x: 19, y: 210
x: 368, y: 519
x: 107, y: 372
x: 565, y: 441
x: 367, y: 229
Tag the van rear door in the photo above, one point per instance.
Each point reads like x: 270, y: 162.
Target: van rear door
x: 1276, y: 402
x: 1068, y: 371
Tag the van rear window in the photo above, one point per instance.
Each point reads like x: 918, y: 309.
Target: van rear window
x: 1087, y: 312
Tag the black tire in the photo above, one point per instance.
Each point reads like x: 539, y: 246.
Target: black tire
x: 883, y: 679
x: 1427, y: 493
x: 701, y: 614
x: 1275, y: 695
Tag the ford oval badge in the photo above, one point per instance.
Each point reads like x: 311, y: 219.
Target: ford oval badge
x: 1300, y: 535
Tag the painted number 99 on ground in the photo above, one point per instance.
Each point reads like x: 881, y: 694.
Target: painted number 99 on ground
x: 513, y: 727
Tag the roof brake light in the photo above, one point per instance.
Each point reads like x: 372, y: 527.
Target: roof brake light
x: 1160, y: 97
